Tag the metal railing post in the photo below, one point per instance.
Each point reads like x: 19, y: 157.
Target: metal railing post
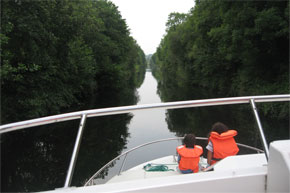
x: 260, y: 128
x: 123, y: 163
x: 75, y: 152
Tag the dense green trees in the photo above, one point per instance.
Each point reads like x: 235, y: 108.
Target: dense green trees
x: 60, y: 56
x: 56, y: 54
x: 229, y: 48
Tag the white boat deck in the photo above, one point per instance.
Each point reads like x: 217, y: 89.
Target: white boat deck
x: 249, y: 176
x: 232, y: 164
x: 139, y: 173
x: 241, y: 173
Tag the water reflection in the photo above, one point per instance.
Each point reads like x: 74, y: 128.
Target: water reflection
x: 149, y: 125
x: 145, y: 126
x: 239, y: 117
x: 37, y: 159
x: 103, y: 140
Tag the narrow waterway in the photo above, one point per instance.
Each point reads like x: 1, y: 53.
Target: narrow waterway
x: 105, y: 137
x: 148, y: 125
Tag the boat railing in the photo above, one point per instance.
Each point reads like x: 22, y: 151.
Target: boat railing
x: 125, y: 154
x: 83, y: 115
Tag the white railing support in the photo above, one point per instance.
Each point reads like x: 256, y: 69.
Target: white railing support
x: 75, y: 152
x: 261, y: 131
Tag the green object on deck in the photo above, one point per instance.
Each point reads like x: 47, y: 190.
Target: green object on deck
x: 156, y: 168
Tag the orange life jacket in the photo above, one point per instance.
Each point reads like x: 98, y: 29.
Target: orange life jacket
x: 189, y: 158
x: 224, y: 144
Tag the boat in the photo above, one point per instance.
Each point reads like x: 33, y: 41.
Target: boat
x: 267, y: 170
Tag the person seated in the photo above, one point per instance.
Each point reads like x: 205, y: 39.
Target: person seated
x: 189, y: 155
x: 221, y: 143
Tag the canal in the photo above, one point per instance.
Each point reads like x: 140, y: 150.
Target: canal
x: 37, y: 159
x: 149, y: 125
x: 146, y: 126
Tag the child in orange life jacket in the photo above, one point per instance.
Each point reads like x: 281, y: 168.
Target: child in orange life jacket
x: 221, y: 143
x: 188, y: 155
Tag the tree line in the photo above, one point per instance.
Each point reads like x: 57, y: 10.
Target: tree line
x: 56, y: 55
x: 229, y: 48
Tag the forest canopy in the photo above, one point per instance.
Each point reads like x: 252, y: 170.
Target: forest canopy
x: 229, y: 48
x: 56, y: 54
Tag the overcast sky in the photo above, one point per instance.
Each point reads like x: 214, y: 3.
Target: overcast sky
x: 147, y: 18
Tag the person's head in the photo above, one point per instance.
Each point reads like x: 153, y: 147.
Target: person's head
x: 189, y: 140
x: 219, y: 127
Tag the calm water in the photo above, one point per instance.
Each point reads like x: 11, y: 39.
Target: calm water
x: 37, y: 159
x: 146, y: 126
x: 150, y: 125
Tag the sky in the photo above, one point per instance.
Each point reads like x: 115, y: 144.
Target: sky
x: 147, y: 19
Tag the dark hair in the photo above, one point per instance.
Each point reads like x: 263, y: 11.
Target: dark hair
x: 189, y: 140
x: 219, y: 127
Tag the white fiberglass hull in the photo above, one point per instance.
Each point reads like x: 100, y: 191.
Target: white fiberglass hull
x: 242, y: 173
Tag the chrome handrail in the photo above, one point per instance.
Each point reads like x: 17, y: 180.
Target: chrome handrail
x: 129, y: 109
x: 90, y: 181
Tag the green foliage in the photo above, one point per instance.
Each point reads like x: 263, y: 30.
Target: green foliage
x: 174, y: 19
x: 230, y: 48
x: 56, y: 57
x: 56, y: 54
